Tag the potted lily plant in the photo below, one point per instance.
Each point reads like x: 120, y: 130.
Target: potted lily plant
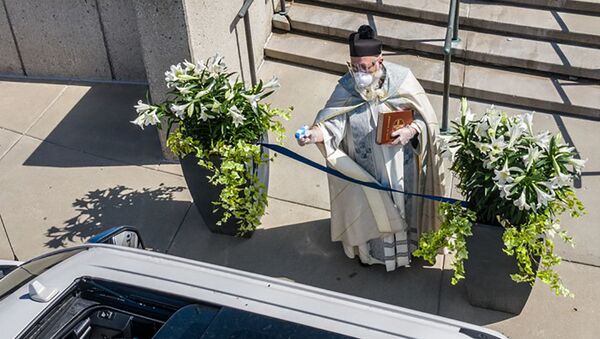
x: 215, y: 125
x: 517, y: 183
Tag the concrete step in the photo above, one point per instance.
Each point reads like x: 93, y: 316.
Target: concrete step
x: 489, y: 84
x: 588, y: 6
x: 486, y: 48
x: 496, y: 17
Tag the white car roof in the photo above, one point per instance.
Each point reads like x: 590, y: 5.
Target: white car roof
x: 332, y: 311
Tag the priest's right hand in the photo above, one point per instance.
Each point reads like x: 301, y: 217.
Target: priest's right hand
x: 312, y: 136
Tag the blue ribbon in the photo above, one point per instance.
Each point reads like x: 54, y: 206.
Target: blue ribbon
x: 291, y: 154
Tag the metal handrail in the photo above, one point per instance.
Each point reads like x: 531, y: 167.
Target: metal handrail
x: 451, y: 40
x: 282, y: 7
x: 243, y: 13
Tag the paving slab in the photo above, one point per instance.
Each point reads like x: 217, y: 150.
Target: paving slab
x: 488, y: 48
x: 545, y: 315
x: 289, y: 179
x: 48, y: 207
x: 7, y: 139
x: 5, y: 251
x: 21, y: 103
x: 95, y: 118
x: 295, y: 244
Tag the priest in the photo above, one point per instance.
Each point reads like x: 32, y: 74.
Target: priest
x: 379, y: 227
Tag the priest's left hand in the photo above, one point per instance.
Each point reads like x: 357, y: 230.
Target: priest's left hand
x: 404, y: 135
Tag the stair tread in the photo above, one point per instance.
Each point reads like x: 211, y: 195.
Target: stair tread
x: 592, y: 6
x: 540, y: 92
x: 484, y: 47
x: 505, y: 17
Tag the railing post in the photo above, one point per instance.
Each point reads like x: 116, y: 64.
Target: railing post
x: 282, y: 7
x: 455, y: 37
x: 446, y: 96
x: 243, y: 13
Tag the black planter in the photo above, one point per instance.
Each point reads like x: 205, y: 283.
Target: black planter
x: 204, y: 193
x: 488, y: 271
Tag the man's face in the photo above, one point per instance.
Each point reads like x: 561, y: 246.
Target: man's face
x: 366, y: 64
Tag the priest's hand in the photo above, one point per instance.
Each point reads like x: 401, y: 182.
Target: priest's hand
x: 403, y: 135
x: 313, y: 136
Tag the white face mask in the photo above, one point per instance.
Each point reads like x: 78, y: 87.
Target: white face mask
x: 363, y: 79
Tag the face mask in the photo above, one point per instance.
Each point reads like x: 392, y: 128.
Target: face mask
x: 363, y: 79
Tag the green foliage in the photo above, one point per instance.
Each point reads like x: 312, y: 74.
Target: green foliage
x: 455, y: 228
x: 512, y: 177
x: 217, y: 117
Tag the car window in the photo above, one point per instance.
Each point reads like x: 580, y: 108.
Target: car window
x: 32, y: 269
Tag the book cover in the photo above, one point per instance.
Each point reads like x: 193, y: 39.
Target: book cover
x: 389, y: 122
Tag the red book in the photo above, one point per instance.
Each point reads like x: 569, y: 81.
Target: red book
x: 389, y: 122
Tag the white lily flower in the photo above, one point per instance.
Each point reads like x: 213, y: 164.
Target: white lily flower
x: 152, y: 118
x: 252, y: 99
x: 272, y: 84
x: 140, y: 121
x: 515, y: 131
x: 506, y: 190
x: 543, y: 139
x: 188, y: 66
x: 185, y: 89
x: 577, y: 164
x: 204, y: 115
x: 141, y: 107
x: 215, y: 64
x: 560, y: 180
x: 482, y: 146
x: 521, y: 203
x: 172, y: 75
x: 236, y: 114
x: 482, y: 129
x: 146, y: 118
x: 503, y: 176
x: 498, y: 145
x: 469, y: 116
x: 179, y: 110
x: 531, y: 157
x: 542, y: 197
x: 528, y: 120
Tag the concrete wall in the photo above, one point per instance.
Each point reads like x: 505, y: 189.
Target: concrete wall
x: 9, y: 57
x: 213, y: 27
x: 87, y: 39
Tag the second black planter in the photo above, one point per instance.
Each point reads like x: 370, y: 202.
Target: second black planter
x: 488, y: 271
x: 204, y: 193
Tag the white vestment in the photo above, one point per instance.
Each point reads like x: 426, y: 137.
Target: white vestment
x: 381, y: 227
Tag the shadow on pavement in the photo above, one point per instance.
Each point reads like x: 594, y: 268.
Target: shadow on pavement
x: 151, y: 210
x: 303, y: 253
x: 99, y: 124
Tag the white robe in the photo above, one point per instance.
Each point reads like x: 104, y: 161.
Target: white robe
x: 380, y: 227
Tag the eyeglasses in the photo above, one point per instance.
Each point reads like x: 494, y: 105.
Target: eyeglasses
x: 366, y: 68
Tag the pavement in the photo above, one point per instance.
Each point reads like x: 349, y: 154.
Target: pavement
x: 72, y: 165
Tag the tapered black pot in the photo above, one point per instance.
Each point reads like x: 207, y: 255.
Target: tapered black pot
x: 204, y: 193
x: 488, y: 271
